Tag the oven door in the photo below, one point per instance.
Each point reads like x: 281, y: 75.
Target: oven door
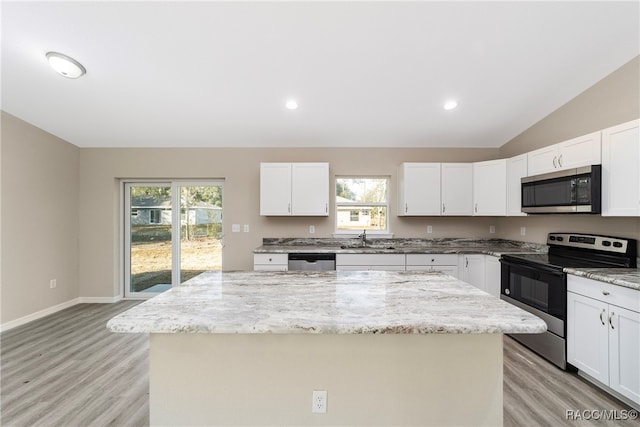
x: 538, y: 289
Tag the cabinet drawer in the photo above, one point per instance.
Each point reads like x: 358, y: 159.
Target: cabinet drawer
x: 267, y: 259
x: 611, y: 294
x: 432, y: 259
x: 370, y: 259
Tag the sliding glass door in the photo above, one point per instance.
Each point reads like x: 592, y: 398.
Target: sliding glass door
x: 172, y: 233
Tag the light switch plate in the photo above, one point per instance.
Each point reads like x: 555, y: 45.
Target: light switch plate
x: 235, y: 228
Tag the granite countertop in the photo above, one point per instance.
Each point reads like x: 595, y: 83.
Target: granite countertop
x: 336, y: 302
x: 400, y: 246
x: 627, y: 277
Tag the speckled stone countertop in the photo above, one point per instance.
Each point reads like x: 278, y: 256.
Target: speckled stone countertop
x: 627, y: 277
x: 401, y: 246
x: 336, y: 302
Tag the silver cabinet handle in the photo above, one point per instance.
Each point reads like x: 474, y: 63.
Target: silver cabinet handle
x: 406, y: 208
x: 443, y: 208
x: 605, y: 293
x: 289, y: 207
x: 326, y: 207
x: 601, y: 319
x: 467, y: 260
x: 560, y: 160
x: 476, y: 208
x: 611, y: 319
x: 554, y: 161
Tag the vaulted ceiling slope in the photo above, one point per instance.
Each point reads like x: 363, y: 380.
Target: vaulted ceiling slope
x: 364, y: 74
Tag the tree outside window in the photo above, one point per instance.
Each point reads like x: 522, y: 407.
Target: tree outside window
x: 362, y: 203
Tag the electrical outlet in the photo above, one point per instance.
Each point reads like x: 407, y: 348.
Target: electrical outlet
x: 53, y: 283
x: 319, y: 402
x: 429, y: 229
x: 492, y: 229
x: 523, y: 231
x: 312, y: 229
x: 235, y: 228
x: 246, y: 228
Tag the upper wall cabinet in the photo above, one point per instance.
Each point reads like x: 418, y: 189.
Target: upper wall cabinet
x: 620, y: 165
x: 457, y: 188
x: 294, y: 189
x: 490, y: 188
x: 516, y: 170
x: 419, y: 189
x: 574, y: 153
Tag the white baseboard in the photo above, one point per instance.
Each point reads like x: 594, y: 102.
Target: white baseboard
x: 50, y: 310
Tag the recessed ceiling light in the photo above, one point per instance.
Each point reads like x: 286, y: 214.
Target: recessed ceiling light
x: 291, y: 104
x: 65, y: 65
x: 450, y: 105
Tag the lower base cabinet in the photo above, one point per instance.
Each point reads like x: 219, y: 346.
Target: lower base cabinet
x: 393, y: 262
x: 270, y: 262
x: 445, y: 263
x: 603, y: 334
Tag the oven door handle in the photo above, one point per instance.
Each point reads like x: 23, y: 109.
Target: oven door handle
x: 537, y: 269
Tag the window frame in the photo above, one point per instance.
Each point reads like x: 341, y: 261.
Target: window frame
x: 386, y: 204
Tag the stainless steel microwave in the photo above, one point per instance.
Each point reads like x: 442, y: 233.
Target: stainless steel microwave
x: 569, y: 191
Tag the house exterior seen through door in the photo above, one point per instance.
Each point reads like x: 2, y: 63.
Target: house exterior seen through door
x: 172, y: 232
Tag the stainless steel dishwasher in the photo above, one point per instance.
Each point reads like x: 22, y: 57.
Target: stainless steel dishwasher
x: 312, y: 262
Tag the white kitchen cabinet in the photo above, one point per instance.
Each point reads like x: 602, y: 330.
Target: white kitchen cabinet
x: 294, y: 189
x: 621, y: 170
x: 271, y: 262
x: 419, y: 189
x: 492, y: 275
x: 446, y: 263
x: 472, y: 266
x: 516, y: 169
x: 490, y: 188
x: 457, y: 189
x: 603, y: 334
x: 394, y: 262
x: 581, y: 151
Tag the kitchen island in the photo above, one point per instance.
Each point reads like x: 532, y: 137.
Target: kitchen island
x: 390, y: 348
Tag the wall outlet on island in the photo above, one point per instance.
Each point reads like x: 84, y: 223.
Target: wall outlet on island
x: 523, y: 231
x: 319, y: 402
x: 492, y: 229
x: 53, y: 283
x: 429, y: 229
x: 312, y: 229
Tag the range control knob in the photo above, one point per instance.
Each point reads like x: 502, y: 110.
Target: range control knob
x: 617, y: 244
x: 606, y: 243
x: 552, y: 237
x: 560, y: 238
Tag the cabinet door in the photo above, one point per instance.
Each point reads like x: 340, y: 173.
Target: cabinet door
x: 473, y: 270
x: 457, y: 189
x: 620, y: 170
x: 543, y: 160
x: 310, y: 189
x: 582, y: 151
x: 516, y: 169
x: 419, y: 189
x: 490, y: 188
x: 587, y: 336
x: 492, y: 275
x: 275, y: 188
x: 624, y: 352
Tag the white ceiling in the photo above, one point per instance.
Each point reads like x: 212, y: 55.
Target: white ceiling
x: 366, y: 74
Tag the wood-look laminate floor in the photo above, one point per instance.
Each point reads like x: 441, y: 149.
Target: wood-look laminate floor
x: 68, y: 370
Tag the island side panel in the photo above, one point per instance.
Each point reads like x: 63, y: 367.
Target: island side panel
x: 267, y: 379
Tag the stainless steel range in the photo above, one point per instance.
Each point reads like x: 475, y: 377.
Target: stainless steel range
x: 536, y: 282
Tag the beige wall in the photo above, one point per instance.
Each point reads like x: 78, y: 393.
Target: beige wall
x: 39, y: 219
x: 101, y: 209
x: 613, y: 100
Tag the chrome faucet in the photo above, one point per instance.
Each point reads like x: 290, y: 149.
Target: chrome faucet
x: 363, y: 238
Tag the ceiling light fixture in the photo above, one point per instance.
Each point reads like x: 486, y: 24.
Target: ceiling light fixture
x: 450, y: 105
x: 65, y: 65
x: 291, y: 104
